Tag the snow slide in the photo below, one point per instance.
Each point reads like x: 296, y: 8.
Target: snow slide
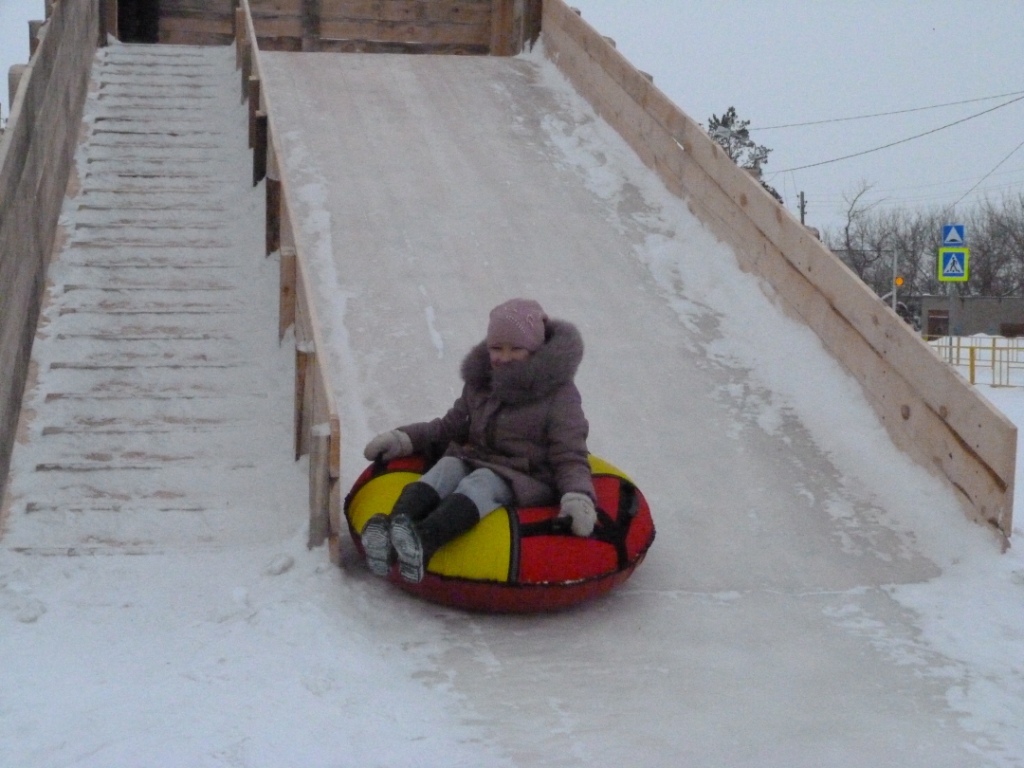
x: 795, y: 610
x: 423, y: 191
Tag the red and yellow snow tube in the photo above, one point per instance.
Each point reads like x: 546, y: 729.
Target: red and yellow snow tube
x: 518, y: 560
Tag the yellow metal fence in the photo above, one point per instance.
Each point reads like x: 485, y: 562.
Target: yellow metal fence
x: 992, y: 360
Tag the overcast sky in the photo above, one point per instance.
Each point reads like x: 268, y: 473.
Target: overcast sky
x: 782, y: 62
x: 14, y: 17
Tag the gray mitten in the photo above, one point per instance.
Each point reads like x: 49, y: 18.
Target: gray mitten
x: 388, y: 445
x: 580, y: 508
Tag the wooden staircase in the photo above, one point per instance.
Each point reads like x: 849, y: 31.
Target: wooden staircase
x: 157, y: 390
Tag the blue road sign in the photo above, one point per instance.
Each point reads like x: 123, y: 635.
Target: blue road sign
x: 953, y: 264
x: 953, y: 236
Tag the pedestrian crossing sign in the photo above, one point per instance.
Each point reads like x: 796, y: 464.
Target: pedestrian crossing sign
x: 953, y: 264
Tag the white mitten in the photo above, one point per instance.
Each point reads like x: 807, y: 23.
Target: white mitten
x: 388, y: 446
x: 580, y: 508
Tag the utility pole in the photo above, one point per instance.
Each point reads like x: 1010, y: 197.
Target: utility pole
x: 803, y: 207
x: 896, y: 280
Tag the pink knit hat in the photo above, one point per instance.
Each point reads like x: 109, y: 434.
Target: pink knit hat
x: 519, y: 322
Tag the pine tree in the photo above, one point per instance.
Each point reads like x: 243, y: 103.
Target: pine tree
x: 732, y: 135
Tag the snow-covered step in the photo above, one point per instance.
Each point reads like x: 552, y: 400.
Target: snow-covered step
x: 154, y: 403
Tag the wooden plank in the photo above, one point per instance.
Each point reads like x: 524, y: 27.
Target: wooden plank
x: 453, y: 12
x: 259, y: 150
x: 213, y: 8
x: 286, y: 306
x: 305, y: 349
x: 196, y: 31
x: 373, y: 24
x: 319, y: 440
x: 279, y: 28
x: 192, y: 22
x: 253, y: 97
x: 382, y: 46
x: 337, y: 524
x: 320, y: 492
x: 502, y: 21
x: 272, y: 238
x: 406, y: 32
x: 311, y: 25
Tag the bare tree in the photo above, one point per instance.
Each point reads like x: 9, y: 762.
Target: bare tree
x: 859, y: 244
x: 871, y: 239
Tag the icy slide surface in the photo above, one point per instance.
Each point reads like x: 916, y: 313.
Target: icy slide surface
x: 812, y: 598
x: 762, y: 629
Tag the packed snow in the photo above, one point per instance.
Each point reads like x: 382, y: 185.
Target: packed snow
x: 869, y: 625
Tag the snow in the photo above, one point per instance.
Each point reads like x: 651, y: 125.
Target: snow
x: 813, y: 597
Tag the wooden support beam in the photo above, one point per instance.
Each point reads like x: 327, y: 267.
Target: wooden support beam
x: 246, y: 61
x: 532, y: 15
x: 502, y: 22
x: 253, y: 95
x: 34, y: 29
x: 241, y: 35
x: 14, y: 75
x: 273, y: 214
x: 286, y: 298
x: 311, y: 14
x: 259, y: 150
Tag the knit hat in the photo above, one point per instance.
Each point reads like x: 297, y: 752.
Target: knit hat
x: 519, y: 322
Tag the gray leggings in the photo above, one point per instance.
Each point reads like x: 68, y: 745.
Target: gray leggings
x: 484, y: 487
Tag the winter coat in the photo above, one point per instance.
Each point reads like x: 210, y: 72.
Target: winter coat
x: 524, y: 420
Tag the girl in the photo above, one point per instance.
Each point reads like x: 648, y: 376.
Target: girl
x: 516, y: 435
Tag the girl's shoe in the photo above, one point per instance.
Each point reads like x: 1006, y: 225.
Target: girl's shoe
x: 376, y: 540
x: 416, y: 542
x: 408, y: 548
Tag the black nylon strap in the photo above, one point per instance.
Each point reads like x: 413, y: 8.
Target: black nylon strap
x: 611, y: 531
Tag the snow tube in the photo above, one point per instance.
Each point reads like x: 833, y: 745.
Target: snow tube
x: 518, y: 560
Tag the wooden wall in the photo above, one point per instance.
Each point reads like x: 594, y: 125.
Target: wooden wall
x: 197, y: 22
x: 405, y: 26
x: 929, y: 411
x: 36, y: 154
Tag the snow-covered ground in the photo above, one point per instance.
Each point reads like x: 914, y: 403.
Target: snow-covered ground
x: 813, y: 598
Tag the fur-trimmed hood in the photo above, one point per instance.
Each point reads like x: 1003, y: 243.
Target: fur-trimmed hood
x: 524, y: 420
x: 550, y: 367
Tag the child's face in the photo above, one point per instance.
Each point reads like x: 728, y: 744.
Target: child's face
x: 502, y: 354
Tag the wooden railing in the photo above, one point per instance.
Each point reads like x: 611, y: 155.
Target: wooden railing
x: 36, y: 154
x: 317, y: 426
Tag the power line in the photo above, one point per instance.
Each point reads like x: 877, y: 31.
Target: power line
x: 887, y: 114
x: 901, y: 141
x: 965, y: 194
x: 934, y: 191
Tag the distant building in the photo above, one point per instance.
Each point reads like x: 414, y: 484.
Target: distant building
x: 969, y: 315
